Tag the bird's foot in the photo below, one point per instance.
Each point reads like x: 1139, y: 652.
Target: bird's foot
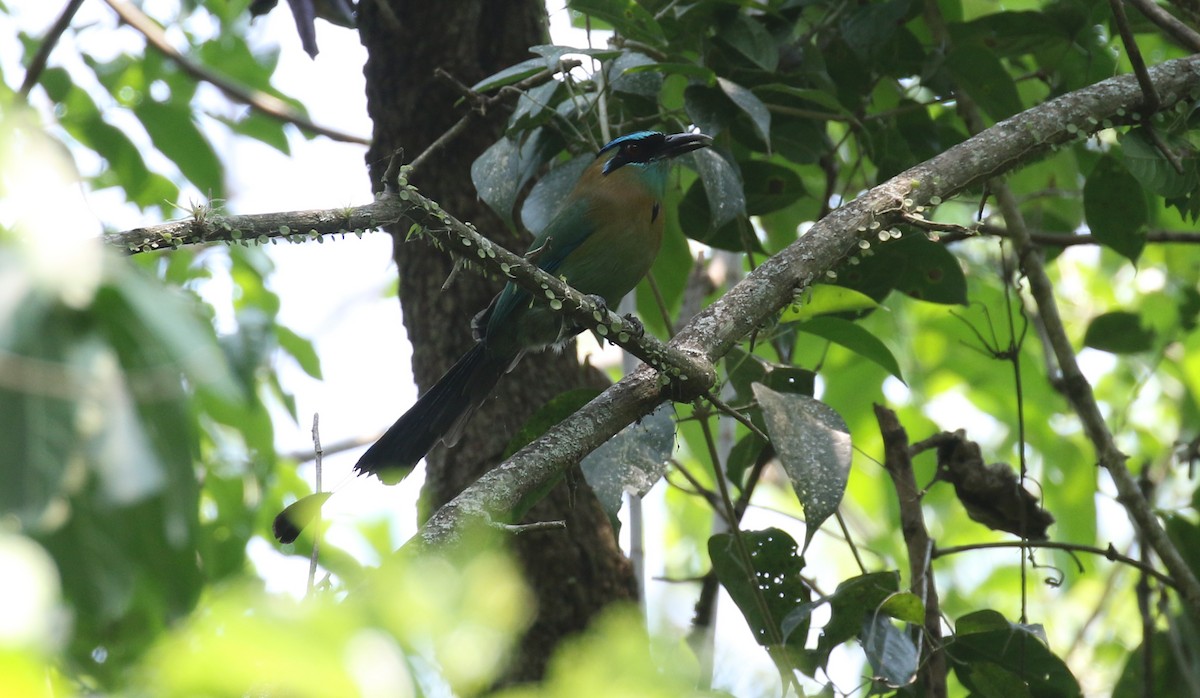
x: 600, y: 303
x: 634, y: 326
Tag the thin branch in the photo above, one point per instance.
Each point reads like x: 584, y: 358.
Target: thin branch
x: 688, y: 372
x: 1109, y: 553
x: 256, y: 99
x: 1048, y: 239
x: 38, y: 65
x: 1177, y: 30
x: 1078, y: 390
x: 741, y: 418
x: 1135, y: 56
x: 481, y: 103
x: 317, y: 456
x: 1083, y: 401
x: 762, y: 293
x: 897, y: 463
x: 770, y: 287
x: 306, y: 455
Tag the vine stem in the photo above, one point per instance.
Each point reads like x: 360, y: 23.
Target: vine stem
x: 772, y: 629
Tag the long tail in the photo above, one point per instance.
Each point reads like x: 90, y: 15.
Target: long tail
x: 438, y: 415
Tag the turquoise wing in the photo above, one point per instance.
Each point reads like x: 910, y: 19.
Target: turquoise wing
x: 566, y: 232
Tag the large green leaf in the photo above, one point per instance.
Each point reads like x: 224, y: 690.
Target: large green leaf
x: 750, y: 38
x: 547, y: 196
x: 1119, y: 332
x: 891, y: 652
x: 502, y: 170
x: 813, y: 443
x: 979, y: 73
x: 985, y: 641
x: 632, y: 461
x: 751, y: 105
x: 175, y: 134
x: 773, y: 577
x: 855, y: 338
x: 913, y: 265
x: 1115, y: 208
x: 628, y: 17
x: 1146, y: 162
x: 825, y: 299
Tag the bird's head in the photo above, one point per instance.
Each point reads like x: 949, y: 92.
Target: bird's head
x: 644, y: 148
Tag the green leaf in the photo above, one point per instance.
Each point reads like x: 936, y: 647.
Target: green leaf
x: 913, y: 265
x: 708, y: 108
x: 753, y: 107
x: 743, y: 370
x: 891, y: 653
x: 1115, y: 208
x: 775, y: 574
x: 1173, y: 661
x: 769, y: 186
x: 743, y: 454
x: 635, y: 73
x: 984, y: 637
x: 696, y: 222
x: 980, y: 73
x: 826, y: 299
x: 1146, y: 162
x: 261, y: 128
x: 300, y: 349
x: 1119, y: 332
x: 629, y: 18
x: 854, y: 599
x: 855, y: 338
x: 502, y: 170
x: 699, y: 73
x: 813, y: 443
x: 722, y: 186
x: 534, y: 107
x: 802, y: 141
x: 546, y: 196
x: 867, y: 29
x: 175, y: 134
x: 751, y: 39
x: 511, y: 74
x: 632, y: 461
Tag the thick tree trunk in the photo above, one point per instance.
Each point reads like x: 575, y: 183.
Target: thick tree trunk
x: 574, y: 573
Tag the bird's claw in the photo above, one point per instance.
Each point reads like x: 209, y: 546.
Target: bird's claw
x: 636, y: 329
x: 599, y: 302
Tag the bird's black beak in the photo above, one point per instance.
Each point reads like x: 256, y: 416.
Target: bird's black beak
x: 680, y: 143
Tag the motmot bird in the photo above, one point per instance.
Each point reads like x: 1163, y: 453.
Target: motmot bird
x: 602, y: 241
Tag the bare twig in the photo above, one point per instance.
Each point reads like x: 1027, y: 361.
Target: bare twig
x: 261, y: 101
x: 1047, y: 239
x: 317, y: 455
x: 1171, y: 25
x: 1083, y: 401
x: 481, y: 103
x: 1109, y: 553
x: 38, y: 65
x: 1135, y: 57
x: 898, y: 464
x: 690, y: 373
x: 306, y: 455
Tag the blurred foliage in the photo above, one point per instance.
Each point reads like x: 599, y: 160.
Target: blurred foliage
x: 140, y: 457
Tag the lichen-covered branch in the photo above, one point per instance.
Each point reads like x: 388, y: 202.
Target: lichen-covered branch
x: 690, y: 375
x: 757, y: 298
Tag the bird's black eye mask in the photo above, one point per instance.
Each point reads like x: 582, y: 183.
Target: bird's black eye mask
x: 642, y: 149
